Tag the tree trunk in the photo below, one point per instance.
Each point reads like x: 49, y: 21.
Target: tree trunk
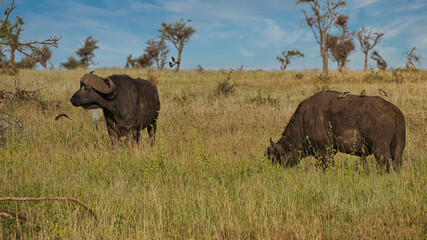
x: 44, y: 64
x: 12, y: 59
x: 324, y: 55
x: 284, y: 66
x: 181, y: 47
x: 339, y: 67
x: 366, y: 62
x: 345, y: 65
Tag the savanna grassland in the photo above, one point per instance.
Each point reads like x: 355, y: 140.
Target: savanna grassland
x: 206, y: 177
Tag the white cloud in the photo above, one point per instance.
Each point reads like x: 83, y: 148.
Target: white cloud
x: 247, y: 53
x: 420, y: 41
x: 361, y: 3
x: 401, y: 25
x: 141, y: 6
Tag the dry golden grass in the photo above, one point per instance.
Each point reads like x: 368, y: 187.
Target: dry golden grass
x: 206, y: 176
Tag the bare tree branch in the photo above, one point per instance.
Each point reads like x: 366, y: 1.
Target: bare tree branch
x: 49, y: 199
x: 368, y: 39
x: 6, y: 213
x: 411, y: 58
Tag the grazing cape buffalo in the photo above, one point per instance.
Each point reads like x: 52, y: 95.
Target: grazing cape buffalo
x: 129, y: 104
x: 325, y: 124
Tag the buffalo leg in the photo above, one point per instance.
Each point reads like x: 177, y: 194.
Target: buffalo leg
x: 151, y: 129
x: 365, y: 166
x: 396, y: 155
x: 383, y: 157
x: 114, y: 136
x: 136, y: 135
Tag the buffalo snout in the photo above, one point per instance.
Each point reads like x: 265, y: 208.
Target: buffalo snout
x: 73, y: 100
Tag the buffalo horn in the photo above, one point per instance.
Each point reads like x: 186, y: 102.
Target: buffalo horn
x: 98, y: 83
x: 277, y: 147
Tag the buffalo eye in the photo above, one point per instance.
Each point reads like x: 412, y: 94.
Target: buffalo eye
x: 86, y: 88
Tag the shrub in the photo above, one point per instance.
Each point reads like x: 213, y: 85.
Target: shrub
x: 226, y: 87
x: 259, y: 99
x: 373, y: 76
x: 299, y: 76
x: 199, y: 68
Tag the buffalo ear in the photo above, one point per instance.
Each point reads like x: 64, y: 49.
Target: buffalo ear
x: 112, y: 86
x: 277, y: 148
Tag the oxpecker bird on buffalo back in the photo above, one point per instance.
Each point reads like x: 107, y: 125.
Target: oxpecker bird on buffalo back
x: 382, y: 92
x: 323, y: 125
x: 344, y: 94
x: 129, y: 104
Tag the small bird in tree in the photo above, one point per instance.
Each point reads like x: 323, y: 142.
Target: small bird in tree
x: 344, y: 94
x: 7, y: 11
x: 62, y: 115
x: 382, y: 92
x: 363, y: 93
x: 171, y: 64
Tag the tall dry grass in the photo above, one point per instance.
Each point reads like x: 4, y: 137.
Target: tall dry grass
x: 206, y: 176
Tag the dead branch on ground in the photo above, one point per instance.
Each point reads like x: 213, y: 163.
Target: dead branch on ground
x: 49, y: 199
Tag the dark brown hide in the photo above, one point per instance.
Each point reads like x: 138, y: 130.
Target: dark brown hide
x: 324, y: 124
x: 132, y: 106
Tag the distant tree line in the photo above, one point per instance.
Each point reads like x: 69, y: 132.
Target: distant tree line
x: 155, y: 52
x: 320, y: 16
x: 177, y: 33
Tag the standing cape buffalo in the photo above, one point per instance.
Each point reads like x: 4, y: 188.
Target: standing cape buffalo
x: 324, y: 124
x: 129, y: 105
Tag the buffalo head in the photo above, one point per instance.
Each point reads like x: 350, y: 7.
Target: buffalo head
x: 286, y: 156
x: 93, y: 91
x: 275, y: 152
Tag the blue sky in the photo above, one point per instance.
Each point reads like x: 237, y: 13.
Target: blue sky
x: 230, y: 33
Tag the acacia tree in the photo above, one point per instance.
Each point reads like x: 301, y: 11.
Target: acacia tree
x: 10, y: 42
x: 130, y: 62
x: 320, y: 17
x: 158, y: 51
x: 143, y: 61
x: 381, y: 63
x: 368, y: 39
x: 86, y: 54
x: 288, y: 56
x: 340, y: 46
x: 411, y: 57
x: 178, y: 34
x: 72, y: 63
x: 44, y: 55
